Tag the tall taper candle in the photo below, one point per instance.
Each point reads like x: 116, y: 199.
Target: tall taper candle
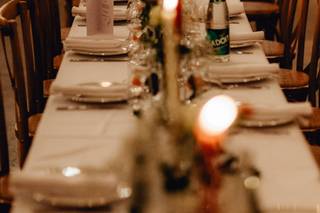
x: 171, y: 58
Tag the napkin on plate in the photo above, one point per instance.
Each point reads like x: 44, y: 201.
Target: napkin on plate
x: 270, y: 112
x: 240, y: 38
x: 119, y: 12
x: 95, y: 44
x: 235, y: 7
x: 229, y: 70
x: 53, y: 184
x: 116, y: 90
x: 80, y: 10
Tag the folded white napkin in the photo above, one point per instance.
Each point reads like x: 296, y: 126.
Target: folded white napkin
x: 56, y: 185
x: 95, y: 44
x: 119, y: 12
x: 81, y: 11
x: 116, y: 90
x: 289, y: 110
x: 238, y: 38
x: 235, y: 7
x: 229, y: 70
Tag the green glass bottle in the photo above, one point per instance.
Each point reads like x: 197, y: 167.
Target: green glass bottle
x: 218, y: 30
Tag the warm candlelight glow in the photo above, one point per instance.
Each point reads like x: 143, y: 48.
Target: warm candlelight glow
x: 217, y: 115
x: 170, y: 5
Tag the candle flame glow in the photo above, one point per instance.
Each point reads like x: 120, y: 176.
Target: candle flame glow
x: 170, y: 5
x: 217, y: 115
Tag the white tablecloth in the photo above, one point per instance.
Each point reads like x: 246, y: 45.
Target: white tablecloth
x: 290, y: 177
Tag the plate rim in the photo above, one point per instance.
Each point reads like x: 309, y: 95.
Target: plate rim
x: 254, y: 123
x: 238, y: 80
x: 114, y: 53
x: 75, y: 202
x: 241, y: 45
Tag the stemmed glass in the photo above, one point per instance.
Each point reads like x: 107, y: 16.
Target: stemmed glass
x: 194, y: 38
x: 142, y: 60
x: 134, y: 10
x: 195, y: 15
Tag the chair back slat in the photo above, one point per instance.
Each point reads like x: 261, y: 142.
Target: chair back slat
x: 47, y: 36
x: 29, y: 61
x: 287, y: 16
x: 302, y: 35
x: 39, y: 51
x: 20, y: 89
x: 293, y: 19
x: 4, y: 155
x: 314, y: 82
x: 284, y: 12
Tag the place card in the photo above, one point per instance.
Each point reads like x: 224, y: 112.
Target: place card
x: 99, y: 17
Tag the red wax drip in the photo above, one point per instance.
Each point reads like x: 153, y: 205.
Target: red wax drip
x: 209, y: 192
x: 178, y: 21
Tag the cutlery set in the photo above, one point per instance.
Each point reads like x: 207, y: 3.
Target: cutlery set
x: 100, y: 59
x: 84, y: 107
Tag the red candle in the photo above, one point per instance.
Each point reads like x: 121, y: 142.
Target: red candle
x: 214, y: 119
x: 178, y: 21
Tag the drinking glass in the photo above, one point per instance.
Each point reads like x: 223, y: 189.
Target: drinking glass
x: 141, y: 63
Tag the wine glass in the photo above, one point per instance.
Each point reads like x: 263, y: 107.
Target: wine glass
x: 142, y: 59
x: 195, y: 19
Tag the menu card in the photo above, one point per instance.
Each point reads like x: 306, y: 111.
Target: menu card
x: 99, y: 17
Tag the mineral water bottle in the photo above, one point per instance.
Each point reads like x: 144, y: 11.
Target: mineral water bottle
x: 218, y: 29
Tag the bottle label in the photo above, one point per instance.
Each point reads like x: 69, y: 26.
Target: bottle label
x: 219, y: 38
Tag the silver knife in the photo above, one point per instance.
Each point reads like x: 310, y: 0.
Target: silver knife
x: 86, y: 107
x: 99, y: 59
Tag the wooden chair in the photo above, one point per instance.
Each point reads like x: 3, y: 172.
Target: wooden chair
x: 294, y: 82
x: 283, y: 50
x: 46, y: 34
x: 5, y: 196
x: 315, y: 150
x: 15, y: 28
x: 313, y: 127
x: 265, y: 14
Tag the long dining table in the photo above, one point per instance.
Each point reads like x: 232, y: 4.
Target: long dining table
x: 98, y: 138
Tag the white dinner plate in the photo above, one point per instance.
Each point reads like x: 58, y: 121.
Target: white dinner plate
x: 74, y: 202
x: 236, y: 79
x: 266, y: 122
x: 243, y: 44
x: 77, y: 202
x: 121, y: 51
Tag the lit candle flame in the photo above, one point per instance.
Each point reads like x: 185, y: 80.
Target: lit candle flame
x: 170, y: 5
x: 217, y: 115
